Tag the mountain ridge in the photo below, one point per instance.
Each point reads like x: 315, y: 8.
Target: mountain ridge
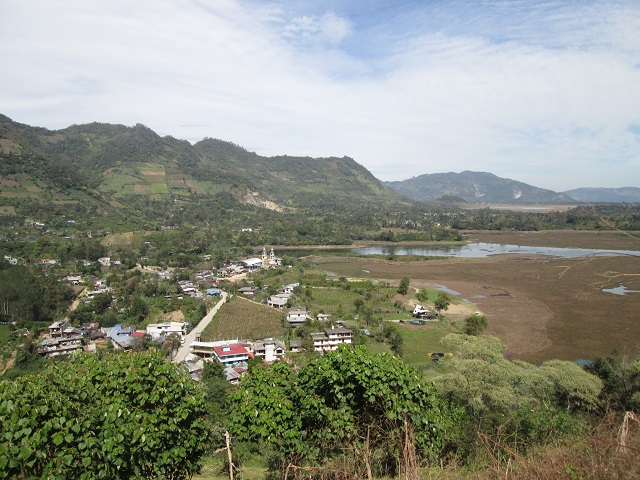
x: 475, y: 187
x: 113, y: 162
x: 609, y: 195
x: 132, y: 172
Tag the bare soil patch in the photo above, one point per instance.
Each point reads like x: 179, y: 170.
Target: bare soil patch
x: 121, y: 239
x: 175, y: 316
x: 7, y: 182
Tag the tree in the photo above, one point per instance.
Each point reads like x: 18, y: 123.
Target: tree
x: 442, y: 302
x: 395, y: 338
x: 139, y: 309
x: 474, y: 324
x: 79, y: 420
x: 423, y: 295
x: 404, y: 286
x: 621, y: 378
x: 515, y: 396
x: 215, y: 388
x: 174, y: 340
x: 349, y: 406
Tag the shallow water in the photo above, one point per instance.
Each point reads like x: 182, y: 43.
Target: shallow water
x: 482, y: 250
x: 472, y: 250
x: 620, y: 290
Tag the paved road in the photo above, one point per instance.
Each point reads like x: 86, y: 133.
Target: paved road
x: 183, y: 351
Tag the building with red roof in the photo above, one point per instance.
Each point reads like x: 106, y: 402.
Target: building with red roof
x: 231, y: 353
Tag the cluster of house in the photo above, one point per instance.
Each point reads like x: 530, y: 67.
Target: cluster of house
x: 281, y: 299
x: 250, y: 264
x: 187, y: 287
x: 64, y: 339
x: 234, y: 354
x: 99, y: 287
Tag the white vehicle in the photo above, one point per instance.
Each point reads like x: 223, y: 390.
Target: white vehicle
x: 420, y: 311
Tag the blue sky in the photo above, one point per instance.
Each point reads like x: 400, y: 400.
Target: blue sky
x: 544, y: 92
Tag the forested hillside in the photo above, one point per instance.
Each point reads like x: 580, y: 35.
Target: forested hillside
x: 108, y: 170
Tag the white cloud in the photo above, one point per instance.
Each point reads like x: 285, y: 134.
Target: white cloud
x: 540, y: 92
x: 329, y: 28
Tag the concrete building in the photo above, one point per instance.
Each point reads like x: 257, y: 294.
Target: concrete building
x: 157, y: 330
x: 330, y: 339
x: 269, y: 349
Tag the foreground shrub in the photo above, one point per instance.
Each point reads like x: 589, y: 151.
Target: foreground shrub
x: 351, y: 407
x: 116, y: 416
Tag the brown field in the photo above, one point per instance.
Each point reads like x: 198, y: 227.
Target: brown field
x: 125, y: 239
x: 13, y: 194
x: 7, y: 182
x: 540, y: 307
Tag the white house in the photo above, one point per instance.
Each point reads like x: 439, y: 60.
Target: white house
x: 331, y: 338
x: 278, y: 301
x: 269, y: 349
x: 11, y: 260
x: 157, y: 330
x: 297, y: 316
x: 289, y: 288
x: 251, y: 263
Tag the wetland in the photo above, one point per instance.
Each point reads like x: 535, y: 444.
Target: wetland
x: 540, y: 306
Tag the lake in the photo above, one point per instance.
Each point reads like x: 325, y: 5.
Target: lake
x: 472, y: 250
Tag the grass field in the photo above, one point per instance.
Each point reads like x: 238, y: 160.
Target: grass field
x: 7, y: 210
x: 6, y: 334
x: 241, y: 318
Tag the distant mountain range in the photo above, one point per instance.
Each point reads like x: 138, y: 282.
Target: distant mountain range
x: 625, y: 194
x: 133, y: 174
x: 475, y: 187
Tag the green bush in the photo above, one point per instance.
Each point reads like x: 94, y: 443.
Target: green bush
x: 116, y: 416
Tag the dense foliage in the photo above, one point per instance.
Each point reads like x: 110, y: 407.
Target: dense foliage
x: 349, y: 406
x: 27, y: 295
x: 116, y: 416
x: 530, y: 403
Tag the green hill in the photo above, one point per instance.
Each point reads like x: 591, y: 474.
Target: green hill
x: 123, y: 172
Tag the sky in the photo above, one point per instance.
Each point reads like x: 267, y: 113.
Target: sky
x: 543, y: 92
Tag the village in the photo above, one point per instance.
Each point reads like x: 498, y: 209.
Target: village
x: 62, y: 338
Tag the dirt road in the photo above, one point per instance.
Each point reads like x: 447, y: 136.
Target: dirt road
x: 183, y: 351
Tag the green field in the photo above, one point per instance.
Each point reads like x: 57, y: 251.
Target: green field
x: 6, y: 334
x: 159, y: 188
x: 241, y: 318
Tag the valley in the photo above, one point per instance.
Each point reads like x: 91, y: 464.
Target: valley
x: 144, y: 234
